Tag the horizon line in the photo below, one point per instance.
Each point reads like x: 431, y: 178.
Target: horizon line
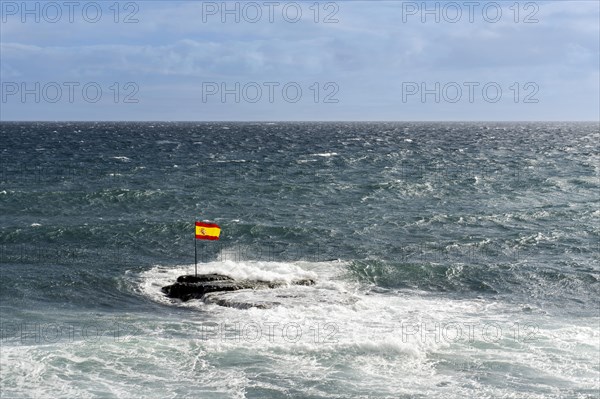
x: 297, y: 121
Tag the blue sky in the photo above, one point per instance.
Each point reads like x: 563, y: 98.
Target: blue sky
x: 369, y: 60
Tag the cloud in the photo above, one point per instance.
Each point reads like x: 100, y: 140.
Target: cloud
x: 369, y: 53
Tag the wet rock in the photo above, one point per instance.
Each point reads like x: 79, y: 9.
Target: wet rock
x: 232, y: 303
x: 197, y: 287
x: 203, y: 278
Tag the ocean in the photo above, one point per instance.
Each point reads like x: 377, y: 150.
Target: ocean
x: 451, y: 260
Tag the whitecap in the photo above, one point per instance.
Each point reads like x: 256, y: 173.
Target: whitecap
x: 325, y: 154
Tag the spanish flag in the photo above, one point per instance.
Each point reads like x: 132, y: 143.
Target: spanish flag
x: 207, y: 231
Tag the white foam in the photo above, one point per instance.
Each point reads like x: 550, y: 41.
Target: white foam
x: 364, y: 321
x: 115, y: 369
x: 325, y: 154
x: 354, y: 341
x: 151, y: 281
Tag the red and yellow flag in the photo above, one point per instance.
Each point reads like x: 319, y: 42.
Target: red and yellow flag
x: 207, y: 231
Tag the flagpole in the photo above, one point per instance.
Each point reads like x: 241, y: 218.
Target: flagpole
x: 195, y: 257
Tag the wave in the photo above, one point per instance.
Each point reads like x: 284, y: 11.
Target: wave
x: 389, y: 342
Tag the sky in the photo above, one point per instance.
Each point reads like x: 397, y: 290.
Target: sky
x: 300, y: 61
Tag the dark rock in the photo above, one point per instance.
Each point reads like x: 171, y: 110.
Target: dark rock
x: 202, y: 278
x: 304, y: 281
x: 196, y: 287
x: 212, y: 299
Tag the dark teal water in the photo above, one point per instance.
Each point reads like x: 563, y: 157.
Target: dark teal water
x: 411, y: 229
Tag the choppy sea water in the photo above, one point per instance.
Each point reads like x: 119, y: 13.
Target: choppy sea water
x: 451, y: 259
